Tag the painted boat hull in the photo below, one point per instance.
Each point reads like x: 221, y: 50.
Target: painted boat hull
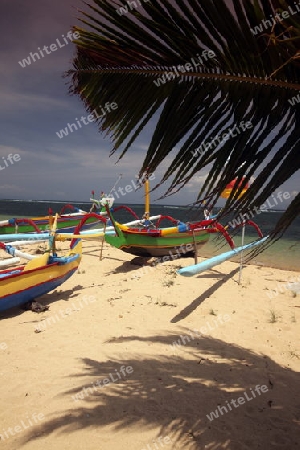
x: 64, y: 223
x: 156, y: 246
x: 22, y: 286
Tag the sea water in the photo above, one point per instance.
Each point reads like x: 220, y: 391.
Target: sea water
x: 284, y: 254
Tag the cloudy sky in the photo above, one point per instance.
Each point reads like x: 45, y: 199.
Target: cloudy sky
x: 35, y: 104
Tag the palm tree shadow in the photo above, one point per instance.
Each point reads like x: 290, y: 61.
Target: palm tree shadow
x: 197, y: 302
x: 178, y: 392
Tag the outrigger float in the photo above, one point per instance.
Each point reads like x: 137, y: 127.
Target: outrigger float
x: 196, y: 269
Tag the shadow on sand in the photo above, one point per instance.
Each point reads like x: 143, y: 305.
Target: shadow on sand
x: 177, y: 391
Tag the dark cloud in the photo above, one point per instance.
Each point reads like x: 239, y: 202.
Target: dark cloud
x: 35, y: 104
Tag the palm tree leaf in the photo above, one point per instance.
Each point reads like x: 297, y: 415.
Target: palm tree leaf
x: 249, y: 77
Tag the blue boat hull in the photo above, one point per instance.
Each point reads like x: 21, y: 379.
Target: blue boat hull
x: 20, y: 298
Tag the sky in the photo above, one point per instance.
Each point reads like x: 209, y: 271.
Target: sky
x: 35, y: 104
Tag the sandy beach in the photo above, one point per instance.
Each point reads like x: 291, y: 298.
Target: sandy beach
x: 140, y: 358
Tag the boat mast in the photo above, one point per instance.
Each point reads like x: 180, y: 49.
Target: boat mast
x: 147, y: 197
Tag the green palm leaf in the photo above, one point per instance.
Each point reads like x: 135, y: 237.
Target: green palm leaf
x: 247, y: 81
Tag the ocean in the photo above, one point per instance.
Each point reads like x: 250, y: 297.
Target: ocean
x: 283, y: 254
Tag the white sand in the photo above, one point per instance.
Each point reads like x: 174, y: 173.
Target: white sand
x: 113, y: 314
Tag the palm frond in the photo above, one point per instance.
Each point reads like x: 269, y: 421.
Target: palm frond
x: 200, y: 70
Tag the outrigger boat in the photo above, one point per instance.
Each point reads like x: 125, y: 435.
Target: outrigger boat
x: 148, y: 241
x: 39, y: 276
x: 183, y: 239
x: 66, y: 222
x: 23, y: 238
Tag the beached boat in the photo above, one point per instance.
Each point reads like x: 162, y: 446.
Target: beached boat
x: 145, y: 241
x: 148, y: 239
x: 66, y: 222
x: 39, y: 276
x: 183, y: 239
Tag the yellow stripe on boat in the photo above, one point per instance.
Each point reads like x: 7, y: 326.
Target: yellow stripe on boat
x: 29, y: 278
x: 63, y: 236
x: 171, y: 230
x: 122, y: 227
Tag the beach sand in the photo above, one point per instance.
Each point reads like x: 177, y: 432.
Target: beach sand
x: 132, y: 357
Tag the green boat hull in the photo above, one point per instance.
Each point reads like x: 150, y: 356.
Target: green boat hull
x: 146, y: 245
x: 65, y: 224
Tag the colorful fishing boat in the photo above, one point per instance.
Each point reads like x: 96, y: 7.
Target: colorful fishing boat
x: 39, y: 276
x: 183, y: 239
x: 157, y: 242
x: 65, y: 222
x: 150, y: 240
